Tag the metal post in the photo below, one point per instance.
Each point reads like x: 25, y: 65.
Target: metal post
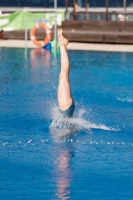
x: 74, y: 13
x: 55, y: 25
x: 55, y: 15
x: 86, y: 8
x: 124, y: 5
x: 66, y: 5
x: 26, y: 27
x: 26, y: 33
x: 66, y: 11
x: 107, y: 4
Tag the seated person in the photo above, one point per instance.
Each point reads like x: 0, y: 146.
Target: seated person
x: 1, y: 35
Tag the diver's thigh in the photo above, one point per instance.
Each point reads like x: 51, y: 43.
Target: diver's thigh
x: 64, y: 94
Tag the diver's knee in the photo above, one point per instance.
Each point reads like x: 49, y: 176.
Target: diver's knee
x: 63, y: 76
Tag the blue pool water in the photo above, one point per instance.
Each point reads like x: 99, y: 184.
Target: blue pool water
x: 92, y: 158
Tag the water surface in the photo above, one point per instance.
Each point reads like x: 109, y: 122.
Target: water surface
x: 90, y: 160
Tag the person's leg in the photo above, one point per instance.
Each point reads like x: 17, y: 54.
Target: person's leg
x: 64, y: 92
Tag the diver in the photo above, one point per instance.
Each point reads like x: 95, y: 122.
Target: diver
x: 65, y: 100
x: 1, y: 35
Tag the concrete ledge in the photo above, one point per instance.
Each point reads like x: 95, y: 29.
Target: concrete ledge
x: 101, y: 47
x: 72, y: 46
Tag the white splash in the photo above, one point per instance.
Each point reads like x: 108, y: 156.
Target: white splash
x: 127, y: 99
x: 84, y: 124
x: 29, y: 141
x: 61, y: 127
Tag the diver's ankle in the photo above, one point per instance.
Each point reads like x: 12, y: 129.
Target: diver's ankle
x: 63, y: 46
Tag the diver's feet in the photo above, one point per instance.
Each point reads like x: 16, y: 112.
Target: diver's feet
x: 61, y: 39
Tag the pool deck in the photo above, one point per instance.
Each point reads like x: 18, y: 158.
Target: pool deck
x: 73, y: 46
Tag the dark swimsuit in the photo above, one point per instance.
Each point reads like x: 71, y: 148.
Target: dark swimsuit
x: 69, y: 112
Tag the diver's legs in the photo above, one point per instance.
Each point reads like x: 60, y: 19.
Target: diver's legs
x: 64, y: 92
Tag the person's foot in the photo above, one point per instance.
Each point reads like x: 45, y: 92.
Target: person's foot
x: 62, y: 40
